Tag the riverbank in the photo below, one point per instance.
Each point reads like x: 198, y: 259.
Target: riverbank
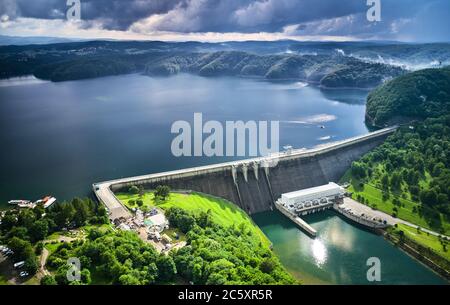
x: 423, y: 254
x: 426, y: 246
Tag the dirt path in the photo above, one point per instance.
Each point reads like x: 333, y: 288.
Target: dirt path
x: 43, y: 261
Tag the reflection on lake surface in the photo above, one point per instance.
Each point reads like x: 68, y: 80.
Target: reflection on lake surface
x: 339, y: 253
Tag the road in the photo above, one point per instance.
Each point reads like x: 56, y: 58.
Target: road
x: 360, y: 208
x: 114, y: 206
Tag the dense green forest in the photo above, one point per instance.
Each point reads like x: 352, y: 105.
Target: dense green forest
x: 214, y: 254
x: 330, y: 71
x: 421, y: 94
x: 24, y: 230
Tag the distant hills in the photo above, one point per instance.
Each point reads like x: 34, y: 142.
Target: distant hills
x: 19, y: 41
x: 417, y: 95
x: 334, y: 71
x: 329, y: 64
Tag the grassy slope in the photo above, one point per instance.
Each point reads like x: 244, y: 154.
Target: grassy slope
x: 3, y: 280
x: 224, y: 212
x: 425, y: 239
x: 405, y: 212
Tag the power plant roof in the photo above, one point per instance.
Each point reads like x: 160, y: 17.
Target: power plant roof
x: 331, y: 186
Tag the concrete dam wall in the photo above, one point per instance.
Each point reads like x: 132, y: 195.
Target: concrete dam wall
x: 252, y: 185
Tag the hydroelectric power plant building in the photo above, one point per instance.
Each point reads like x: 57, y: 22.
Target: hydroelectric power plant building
x: 313, y: 196
x: 309, y: 200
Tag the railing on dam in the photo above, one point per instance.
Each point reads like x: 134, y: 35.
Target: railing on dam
x: 297, y: 153
x: 239, y: 187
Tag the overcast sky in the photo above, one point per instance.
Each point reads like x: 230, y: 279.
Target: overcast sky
x: 220, y: 20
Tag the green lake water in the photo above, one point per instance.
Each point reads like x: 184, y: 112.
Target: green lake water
x: 339, y: 253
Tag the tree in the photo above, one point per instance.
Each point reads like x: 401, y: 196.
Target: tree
x: 166, y: 267
x: 8, y: 221
x: 39, y: 247
x: 396, y: 181
x: 38, y: 230
x: 438, y: 169
x: 268, y: 265
x: 385, y: 182
x: 151, y: 274
x: 128, y: 279
x: 216, y: 279
x: 442, y: 198
x: 22, y: 248
x: 82, y: 211
x: 428, y: 197
x: 31, y: 264
x: 48, y: 280
x: 133, y: 189
x: 20, y: 232
x: 162, y: 192
x: 61, y: 275
x: 85, y: 276
x: 64, y: 215
x: 359, y: 169
x: 26, y: 218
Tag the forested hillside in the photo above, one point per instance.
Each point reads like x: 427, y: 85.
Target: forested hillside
x: 408, y: 176
x: 81, y: 60
x: 420, y: 94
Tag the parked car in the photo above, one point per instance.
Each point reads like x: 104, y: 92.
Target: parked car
x: 19, y: 264
x: 23, y: 274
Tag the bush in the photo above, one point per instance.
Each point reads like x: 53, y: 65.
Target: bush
x: 48, y: 280
x: 31, y: 265
x: 133, y: 190
x: 39, y: 248
x: 162, y: 192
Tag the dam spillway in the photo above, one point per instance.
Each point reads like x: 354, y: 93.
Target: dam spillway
x: 251, y: 183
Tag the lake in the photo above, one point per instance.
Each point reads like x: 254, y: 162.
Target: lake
x: 59, y: 138
x: 339, y: 253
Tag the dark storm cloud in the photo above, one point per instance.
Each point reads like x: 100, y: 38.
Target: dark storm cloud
x: 211, y: 15
x: 316, y: 17
x: 113, y: 14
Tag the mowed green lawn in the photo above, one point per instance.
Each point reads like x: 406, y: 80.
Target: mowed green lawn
x: 223, y: 212
x: 426, y: 240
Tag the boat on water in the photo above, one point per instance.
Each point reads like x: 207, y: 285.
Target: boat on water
x: 19, y: 202
x: 46, y: 201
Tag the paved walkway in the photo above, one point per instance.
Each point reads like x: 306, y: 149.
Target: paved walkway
x: 114, y: 206
x: 360, y: 208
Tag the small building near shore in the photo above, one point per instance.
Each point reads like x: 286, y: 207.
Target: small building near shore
x: 157, y: 222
